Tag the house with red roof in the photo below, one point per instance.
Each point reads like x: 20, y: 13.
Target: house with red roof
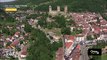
x: 96, y: 29
x: 104, y: 29
x: 75, y: 53
x: 69, y: 40
x: 23, y: 52
x: 85, y: 26
x: 15, y: 43
x: 103, y: 23
x: 68, y: 44
x: 17, y: 34
x: 60, y: 54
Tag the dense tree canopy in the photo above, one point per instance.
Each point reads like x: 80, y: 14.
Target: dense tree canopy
x: 76, y: 31
x: 65, y: 31
x: 79, y: 5
x: 28, y: 1
x: 41, y: 48
x: 104, y: 16
x: 90, y: 37
x: 60, y: 21
x: 27, y: 28
x: 73, y: 5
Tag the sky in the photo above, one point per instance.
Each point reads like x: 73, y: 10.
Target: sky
x: 6, y: 0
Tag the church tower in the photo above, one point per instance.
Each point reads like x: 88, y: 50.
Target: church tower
x: 58, y: 8
x: 50, y: 8
x: 65, y: 9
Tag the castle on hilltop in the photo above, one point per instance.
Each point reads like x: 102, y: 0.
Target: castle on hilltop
x: 58, y: 11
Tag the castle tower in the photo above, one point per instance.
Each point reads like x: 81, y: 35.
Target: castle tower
x: 50, y: 8
x: 58, y: 8
x: 65, y: 9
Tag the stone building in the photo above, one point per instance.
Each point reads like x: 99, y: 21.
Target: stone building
x: 58, y: 11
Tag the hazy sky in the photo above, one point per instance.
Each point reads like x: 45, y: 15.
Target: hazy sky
x: 6, y: 0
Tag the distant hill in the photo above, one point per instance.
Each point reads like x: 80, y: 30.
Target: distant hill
x: 73, y: 5
x: 79, y: 5
x: 27, y: 2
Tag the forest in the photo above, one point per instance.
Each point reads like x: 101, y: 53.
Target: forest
x: 73, y: 5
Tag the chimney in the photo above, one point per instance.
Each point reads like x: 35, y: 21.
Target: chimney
x: 58, y: 8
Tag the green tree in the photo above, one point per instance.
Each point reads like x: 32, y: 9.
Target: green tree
x: 66, y: 31
x: 61, y: 21
x: 27, y: 28
x: 8, y: 43
x: 18, y: 48
x: 1, y: 46
x: 6, y: 31
x: 90, y: 37
x: 41, y: 48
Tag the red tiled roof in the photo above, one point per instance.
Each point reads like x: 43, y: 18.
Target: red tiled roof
x: 60, y: 54
x: 105, y: 30
x: 75, y: 54
x: 17, y: 33
x: 76, y: 57
x: 85, y: 25
x: 78, y: 46
x: 69, y: 41
x: 66, y: 36
x: 71, y: 38
x: 68, y: 44
x: 10, y: 37
x: 96, y: 29
x: 85, y: 31
x: 24, y: 50
x: 15, y: 42
x: 103, y: 22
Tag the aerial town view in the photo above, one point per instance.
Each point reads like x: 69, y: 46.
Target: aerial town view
x: 53, y: 29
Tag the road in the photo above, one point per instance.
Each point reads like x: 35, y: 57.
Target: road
x: 84, y: 54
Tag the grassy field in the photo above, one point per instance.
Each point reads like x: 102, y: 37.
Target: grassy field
x: 104, y: 57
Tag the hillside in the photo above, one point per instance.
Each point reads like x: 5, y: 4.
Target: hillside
x: 6, y: 19
x: 79, y: 5
x: 73, y: 5
x: 34, y: 2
